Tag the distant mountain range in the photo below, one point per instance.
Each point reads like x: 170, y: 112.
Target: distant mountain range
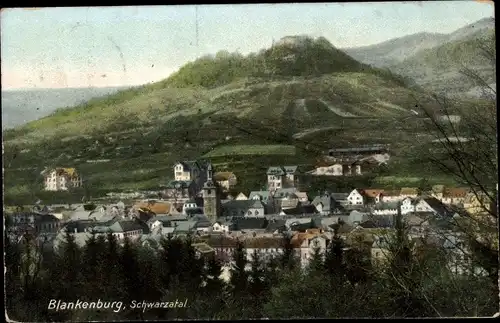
x: 22, y: 106
x: 435, y: 60
x: 396, y: 50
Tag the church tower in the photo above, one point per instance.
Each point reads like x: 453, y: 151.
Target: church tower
x: 211, y: 196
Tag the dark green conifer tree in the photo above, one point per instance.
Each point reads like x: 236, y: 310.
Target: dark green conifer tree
x: 287, y: 258
x: 317, y: 262
x: 257, y: 285
x: 239, y: 275
x: 402, y: 274
x: 67, y: 271
x: 334, y: 259
x: 92, y: 267
x: 132, y: 288
x: 111, y: 282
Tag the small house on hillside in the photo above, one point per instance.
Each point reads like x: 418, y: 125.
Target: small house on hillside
x: 61, y: 179
x: 241, y: 196
x: 220, y: 226
x: 226, y: 180
x: 342, y: 167
x: 187, y: 171
x: 282, y: 177
x: 408, y: 205
x: 355, y: 198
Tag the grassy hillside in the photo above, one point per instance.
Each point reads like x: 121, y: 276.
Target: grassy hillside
x: 236, y: 110
x: 440, y: 68
x: 148, y: 109
x: 21, y: 106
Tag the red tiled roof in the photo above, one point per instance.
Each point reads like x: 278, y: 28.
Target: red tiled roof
x: 223, y: 176
x: 409, y: 191
x: 455, y: 192
x: 157, y: 207
x: 392, y: 193
x: 372, y: 192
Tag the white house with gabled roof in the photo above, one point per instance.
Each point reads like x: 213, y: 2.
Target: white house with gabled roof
x: 275, y: 178
x: 407, y: 206
x: 355, y: 198
x: 241, y: 196
x: 61, y: 179
x: 220, y: 227
x: 186, y: 171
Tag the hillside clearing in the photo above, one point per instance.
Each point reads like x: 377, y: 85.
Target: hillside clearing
x: 307, y: 132
x: 251, y: 150
x: 336, y: 110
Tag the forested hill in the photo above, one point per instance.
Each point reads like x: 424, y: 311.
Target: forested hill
x: 299, y: 56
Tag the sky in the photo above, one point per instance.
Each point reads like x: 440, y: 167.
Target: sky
x: 122, y: 46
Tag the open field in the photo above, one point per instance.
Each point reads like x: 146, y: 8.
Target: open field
x: 252, y: 150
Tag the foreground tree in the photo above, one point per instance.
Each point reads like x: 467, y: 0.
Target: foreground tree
x: 288, y: 259
x: 257, y: 289
x: 467, y: 145
x: 403, y: 275
x: 131, y: 283
x: 334, y: 259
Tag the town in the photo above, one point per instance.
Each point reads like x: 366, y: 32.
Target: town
x: 250, y: 162
x: 197, y: 203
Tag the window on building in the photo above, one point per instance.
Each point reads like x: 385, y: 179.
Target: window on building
x: 249, y: 212
x: 256, y: 212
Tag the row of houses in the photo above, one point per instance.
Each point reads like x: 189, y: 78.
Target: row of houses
x: 263, y: 234
x: 284, y: 202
